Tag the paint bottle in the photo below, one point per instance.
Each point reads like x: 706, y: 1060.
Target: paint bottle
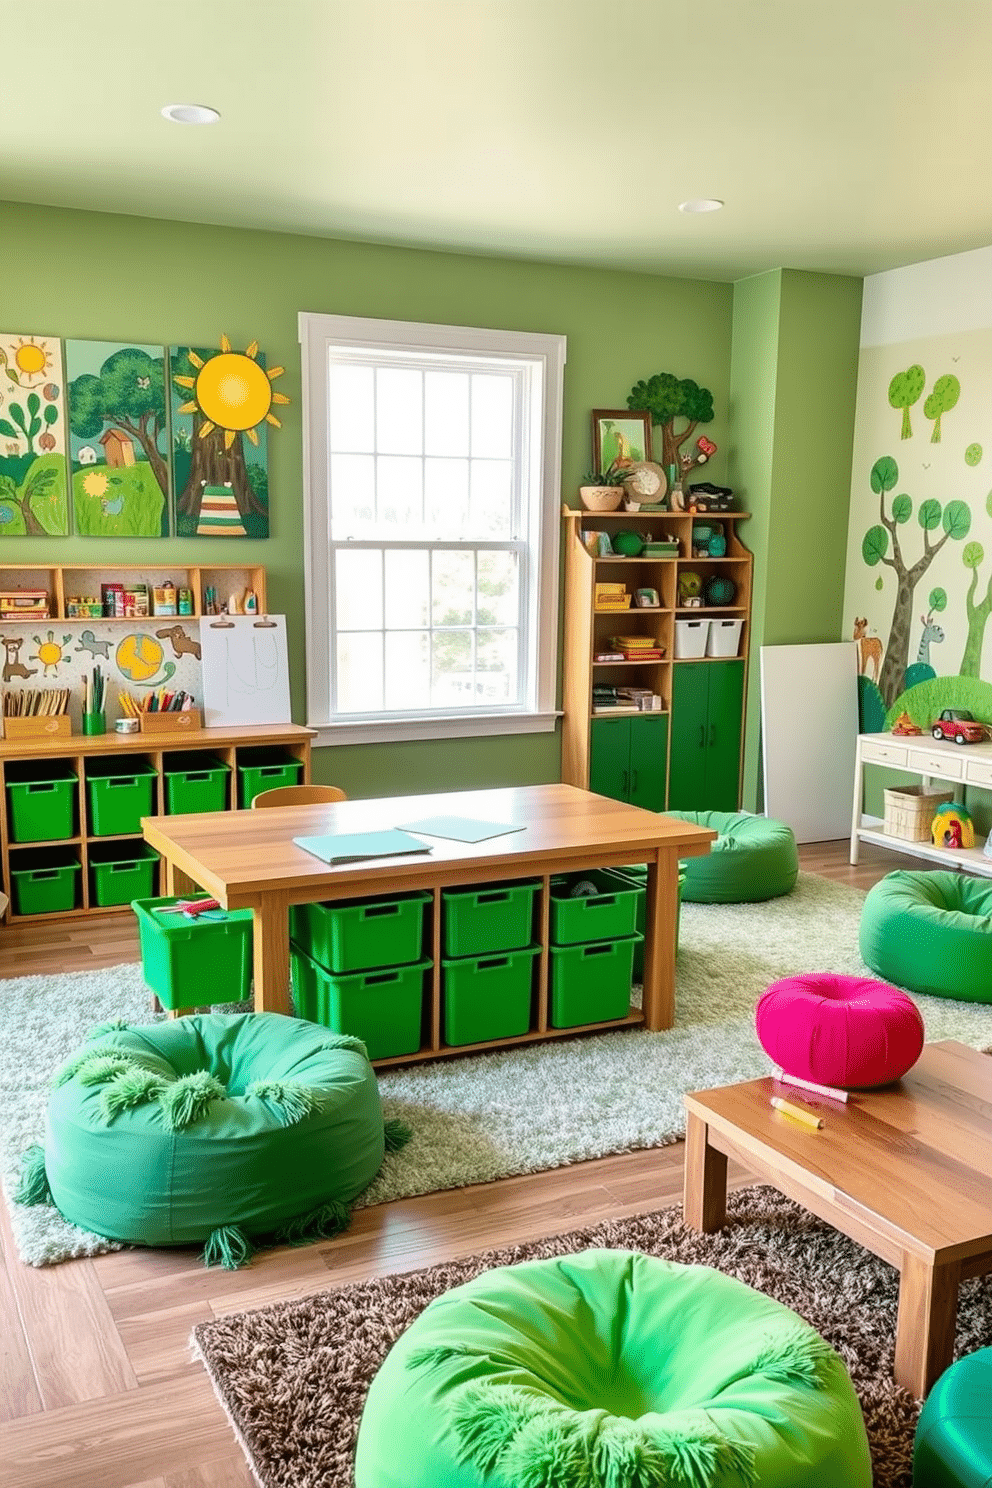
x: 251, y: 602
x: 185, y: 601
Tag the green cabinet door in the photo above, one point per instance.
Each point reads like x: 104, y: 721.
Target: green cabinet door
x: 609, y: 757
x: 707, y: 703
x: 648, y: 763
x: 723, y: 735
x: 690, y: 717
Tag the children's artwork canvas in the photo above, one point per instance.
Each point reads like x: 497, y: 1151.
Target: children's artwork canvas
x: 222, y: 403
x: 245, y: 670
x: 118, y: 439
x: 33, y: 480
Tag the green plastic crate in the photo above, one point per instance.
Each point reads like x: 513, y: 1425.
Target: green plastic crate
x: 383, y: 1008
x: 121, y: 871
x: 265, y: 769
x: 43, y: 884
x: 41, y: 800
x: 487, y: 997
x: 195, y: 782
x: 487, y: 918
x: 637, y: 873
x: 190, y: 963
x: 608, y: 914
x: 120, y: 792
x: 361, y: 934
x: 590, y: 983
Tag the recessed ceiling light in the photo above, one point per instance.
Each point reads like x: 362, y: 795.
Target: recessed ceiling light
x: 704, y: 204
x: 190, y: 113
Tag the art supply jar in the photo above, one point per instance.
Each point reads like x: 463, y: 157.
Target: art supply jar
x: 185, y: 601
x: 127, y: 726
x: 94, y: 723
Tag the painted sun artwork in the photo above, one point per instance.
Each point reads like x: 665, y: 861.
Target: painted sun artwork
x: 33, y: 500
x: 118, y: 438
x: 222, y: 402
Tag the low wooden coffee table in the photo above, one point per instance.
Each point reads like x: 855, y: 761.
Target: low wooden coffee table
x: 904, y: 1171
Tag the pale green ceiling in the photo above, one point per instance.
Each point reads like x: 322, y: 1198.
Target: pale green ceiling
x: 850, y: 136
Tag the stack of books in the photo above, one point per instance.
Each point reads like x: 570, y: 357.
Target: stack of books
x: 638, y: 648
x: 621, y: 699
x: 23, y: 604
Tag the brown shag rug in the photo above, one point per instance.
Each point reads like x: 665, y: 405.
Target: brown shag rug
x: 293, y: 1377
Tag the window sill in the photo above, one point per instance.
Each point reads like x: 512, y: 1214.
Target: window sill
x: 476, y: 726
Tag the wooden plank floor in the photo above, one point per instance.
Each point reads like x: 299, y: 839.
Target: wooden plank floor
x: 97, y: 1386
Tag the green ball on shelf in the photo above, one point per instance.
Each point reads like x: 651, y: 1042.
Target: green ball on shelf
x: 720, y: 590
x: 629, y: 544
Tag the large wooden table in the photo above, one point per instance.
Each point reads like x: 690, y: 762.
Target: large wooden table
x: 248, y: 860
x: 904, y: 1171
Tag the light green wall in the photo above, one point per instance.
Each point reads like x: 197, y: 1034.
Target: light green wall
x: 78, y: 274
x: 793, y: 382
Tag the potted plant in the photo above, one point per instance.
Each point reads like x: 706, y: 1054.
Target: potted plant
x: 603, y: 490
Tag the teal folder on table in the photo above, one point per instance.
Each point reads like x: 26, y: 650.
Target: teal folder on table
x: 460, y: 828
x: 352, y: 847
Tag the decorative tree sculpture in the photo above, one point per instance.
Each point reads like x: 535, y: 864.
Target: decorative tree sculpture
x: 667, y: 398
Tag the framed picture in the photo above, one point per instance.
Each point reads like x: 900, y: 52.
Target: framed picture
x: 620, y: 435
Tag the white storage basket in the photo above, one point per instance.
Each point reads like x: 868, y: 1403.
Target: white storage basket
x: 690, y: 638
x: 724, y: 637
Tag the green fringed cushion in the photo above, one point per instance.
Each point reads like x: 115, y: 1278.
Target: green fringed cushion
x: 610, y: 1369
x: 753, y: 858
x: 162, y: 1134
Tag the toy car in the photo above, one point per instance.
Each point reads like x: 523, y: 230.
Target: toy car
x: 960, y: 725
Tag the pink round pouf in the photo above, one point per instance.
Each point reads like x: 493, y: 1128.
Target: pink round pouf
x: 839, y: 1030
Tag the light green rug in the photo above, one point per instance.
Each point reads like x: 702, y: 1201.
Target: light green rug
x: 488, y: 1116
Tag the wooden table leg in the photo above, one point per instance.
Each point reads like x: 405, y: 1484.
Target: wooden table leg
x: 928, y: 1309
x: 704, y: 1197
x: 660, y: 909
x: 270, y: 939
x: 178, y: 883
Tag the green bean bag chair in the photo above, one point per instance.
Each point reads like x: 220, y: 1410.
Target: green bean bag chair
x: 930, y: 932
x: 233, y: 1130
x: 753, y: 857
x: 953, y: 1445
x: 610, y: 1369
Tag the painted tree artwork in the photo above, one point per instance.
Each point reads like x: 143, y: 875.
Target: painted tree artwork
x: 33, y: 470
x: 118, y: 439
x: 222, y: 402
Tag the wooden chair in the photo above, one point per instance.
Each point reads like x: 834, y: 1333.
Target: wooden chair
x: 299, y: 795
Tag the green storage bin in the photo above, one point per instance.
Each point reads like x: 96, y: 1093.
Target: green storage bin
x: 606, y: 915
x: 590, y: 983
x: 44, y: 882
x: 120, y: 792
x: 487, y: 918
x: 265, y: 769
x: 195, y: 782
x: 190, y: 963
x: 41, y: 800
x: 383, y: 1008
x: 487, y: 997
x: 361, y: 934
x: 121, y: 871
x: 637, y: 873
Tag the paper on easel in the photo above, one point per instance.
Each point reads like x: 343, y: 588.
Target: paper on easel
x: 245, y: 669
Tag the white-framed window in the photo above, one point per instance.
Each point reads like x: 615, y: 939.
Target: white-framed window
x: 432, y: 503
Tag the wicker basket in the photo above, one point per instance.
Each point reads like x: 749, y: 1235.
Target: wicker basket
x: 909, y: 812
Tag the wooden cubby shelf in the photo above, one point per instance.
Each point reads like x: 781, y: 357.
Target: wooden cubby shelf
x: 686, y: 754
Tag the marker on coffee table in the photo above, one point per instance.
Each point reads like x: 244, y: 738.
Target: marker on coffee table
x: 808, y: 1118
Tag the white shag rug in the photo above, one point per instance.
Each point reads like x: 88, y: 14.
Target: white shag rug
x: 487, y: 1116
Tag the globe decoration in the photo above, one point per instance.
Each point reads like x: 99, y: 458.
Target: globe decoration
x: 720, y: 590
x: 139, y: 657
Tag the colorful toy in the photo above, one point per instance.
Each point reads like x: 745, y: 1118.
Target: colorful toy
x: 960, y: 725
x: 952, y: 826
x: 690, y: 587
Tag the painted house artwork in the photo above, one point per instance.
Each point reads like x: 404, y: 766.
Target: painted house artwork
x: 33, y: 478
x: 118, y: 439
x: 919, y: 570
x: 222, y: 401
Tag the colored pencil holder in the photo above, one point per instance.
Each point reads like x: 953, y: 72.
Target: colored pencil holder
x: 94, y: 723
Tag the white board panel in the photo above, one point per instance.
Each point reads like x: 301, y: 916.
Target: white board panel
x: 245, y: 670
x: 809, y: 732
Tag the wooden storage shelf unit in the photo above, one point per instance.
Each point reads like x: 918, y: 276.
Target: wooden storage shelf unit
x: 626, y: 754
x: 224, y: 744
x: 64, y: 580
